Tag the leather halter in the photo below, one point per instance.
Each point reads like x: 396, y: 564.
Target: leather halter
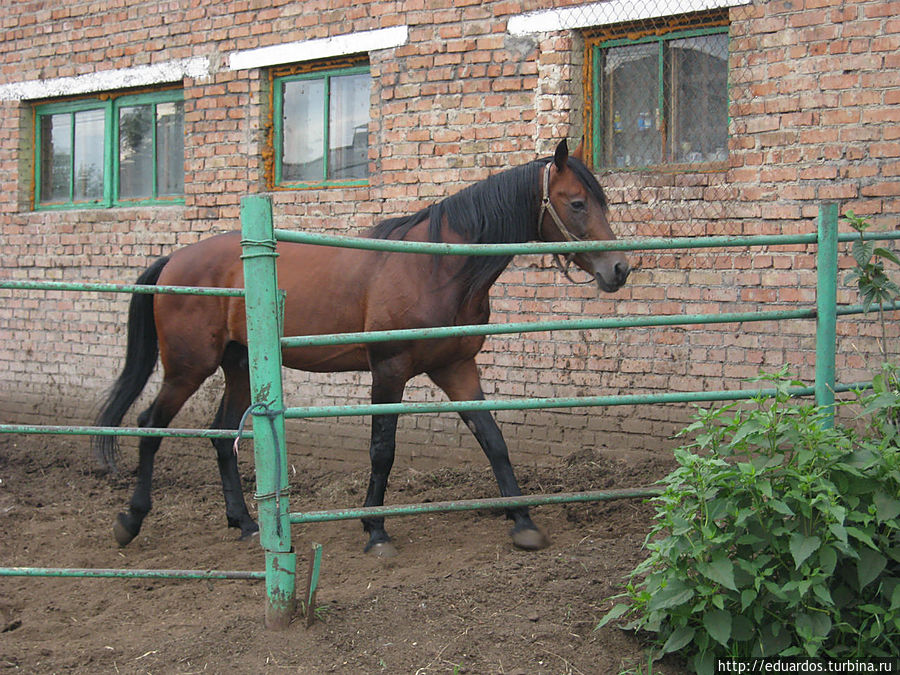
x: 547, y: 207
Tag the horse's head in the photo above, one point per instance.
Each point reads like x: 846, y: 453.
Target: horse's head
x: 574, y: 208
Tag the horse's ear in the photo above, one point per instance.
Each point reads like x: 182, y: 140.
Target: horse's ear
x: 579, y: 151
x: 561, y: 155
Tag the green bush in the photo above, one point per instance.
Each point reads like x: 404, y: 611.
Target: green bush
x: 777, y: 535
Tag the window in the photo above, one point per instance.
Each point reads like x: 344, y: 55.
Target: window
x: 119, y: 150
x: 660, y: 99
x: 321, y: 127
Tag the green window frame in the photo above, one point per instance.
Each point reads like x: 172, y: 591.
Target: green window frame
x: 669, y: 108
x: 322, y: 117
x: 114, y: 150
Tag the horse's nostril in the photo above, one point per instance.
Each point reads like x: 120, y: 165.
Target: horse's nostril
x: 622, y: 270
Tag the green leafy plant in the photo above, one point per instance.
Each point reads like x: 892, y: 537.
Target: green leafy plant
x: 320, y: 612
x: 875, y: 288
x: 777, y: 535
x: 868, y: 275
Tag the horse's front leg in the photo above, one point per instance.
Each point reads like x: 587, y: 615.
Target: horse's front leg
x: 387, y: 387
x: 525, y: 534
x: 381, y: 453
x: 462, y: 383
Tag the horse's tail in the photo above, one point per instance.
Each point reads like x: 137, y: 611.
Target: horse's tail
x: 141, y: 354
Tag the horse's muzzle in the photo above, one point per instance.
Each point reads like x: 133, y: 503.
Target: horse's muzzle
x: 615, y: 278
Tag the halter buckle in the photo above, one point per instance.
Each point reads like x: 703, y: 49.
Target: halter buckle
x: 547, y: 207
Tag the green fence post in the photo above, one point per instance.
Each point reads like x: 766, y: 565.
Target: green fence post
x: 826, y: 307
x: 264, y: 350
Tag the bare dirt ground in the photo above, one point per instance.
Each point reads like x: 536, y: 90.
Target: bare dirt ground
x: 458, y: 599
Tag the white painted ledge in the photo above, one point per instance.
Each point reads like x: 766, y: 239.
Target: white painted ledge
x: 107, y: 80
x: 605, y: 13
x: 310, y: 50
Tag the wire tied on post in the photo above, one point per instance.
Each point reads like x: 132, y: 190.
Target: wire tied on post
x: 271, y: 414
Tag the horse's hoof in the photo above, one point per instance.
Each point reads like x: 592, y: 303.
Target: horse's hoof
x: 121, y: 532
x: 249, y: 536
x: 249, y: 528
x: 383, y: 549
x: 530, y: 540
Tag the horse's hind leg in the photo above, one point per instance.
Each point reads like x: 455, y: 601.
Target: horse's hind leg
x: 171, y: 397
x: 234, y: 403
x: 461, y: 382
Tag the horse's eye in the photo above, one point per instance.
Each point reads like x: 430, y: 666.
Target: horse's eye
x: 578, y: 205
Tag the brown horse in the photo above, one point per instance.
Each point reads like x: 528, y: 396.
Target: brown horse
x: 333, y: 290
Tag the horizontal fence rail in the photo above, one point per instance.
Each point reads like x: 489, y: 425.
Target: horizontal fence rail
x: 124, y: 573
x: 472, y: 505
x: 366, y: 409
x: 525, y: 248
x: 64, y: 430
x: 38, y: 285
x: 563, y: 324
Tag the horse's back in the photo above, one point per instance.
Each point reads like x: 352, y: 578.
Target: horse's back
x: 328, y: 290
x: 214, y: 261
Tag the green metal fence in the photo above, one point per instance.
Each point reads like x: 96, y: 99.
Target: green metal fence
x: 264, y: 305
x: 264, y: 334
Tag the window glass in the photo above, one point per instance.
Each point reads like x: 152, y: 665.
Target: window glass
x: 699, y: 81
x: 88, y: 165
x: 56, y: 157
x: 322, y: 122
x: 303, y: 120
x: 348, y: 124
x: 632, y: 98
x: 661, y: 99
x: 136, y: 152
x: 170, y: 149
x: 114, y: 150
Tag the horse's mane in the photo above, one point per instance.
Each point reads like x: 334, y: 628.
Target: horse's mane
x: 501, y: 209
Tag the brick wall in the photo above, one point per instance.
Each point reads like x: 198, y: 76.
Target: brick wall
x: 814, y: 116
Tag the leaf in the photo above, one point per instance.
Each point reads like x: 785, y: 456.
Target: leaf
x: 839, y: 531
x: 748, y: 595
x: 821, y: 624
x: 771, y: 640
x: 717, y: 508
x: 827, y: 560
x: 780, y: 507
x: 676, y: 593
x: 751, y: 426
x: 812, y: 626
x: 886, y: 254
x: 718, y: 624
x: 823, y: 594
x: 886, y: 507
x: 678, y: 639
x: 720, y: 570
x: 613, y: 614
x: 705, y: 663
x: 862, y: 251
x: 862, y: 536
x: 742, y: 628
x: 802, y: 547
x: 871, y: 564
